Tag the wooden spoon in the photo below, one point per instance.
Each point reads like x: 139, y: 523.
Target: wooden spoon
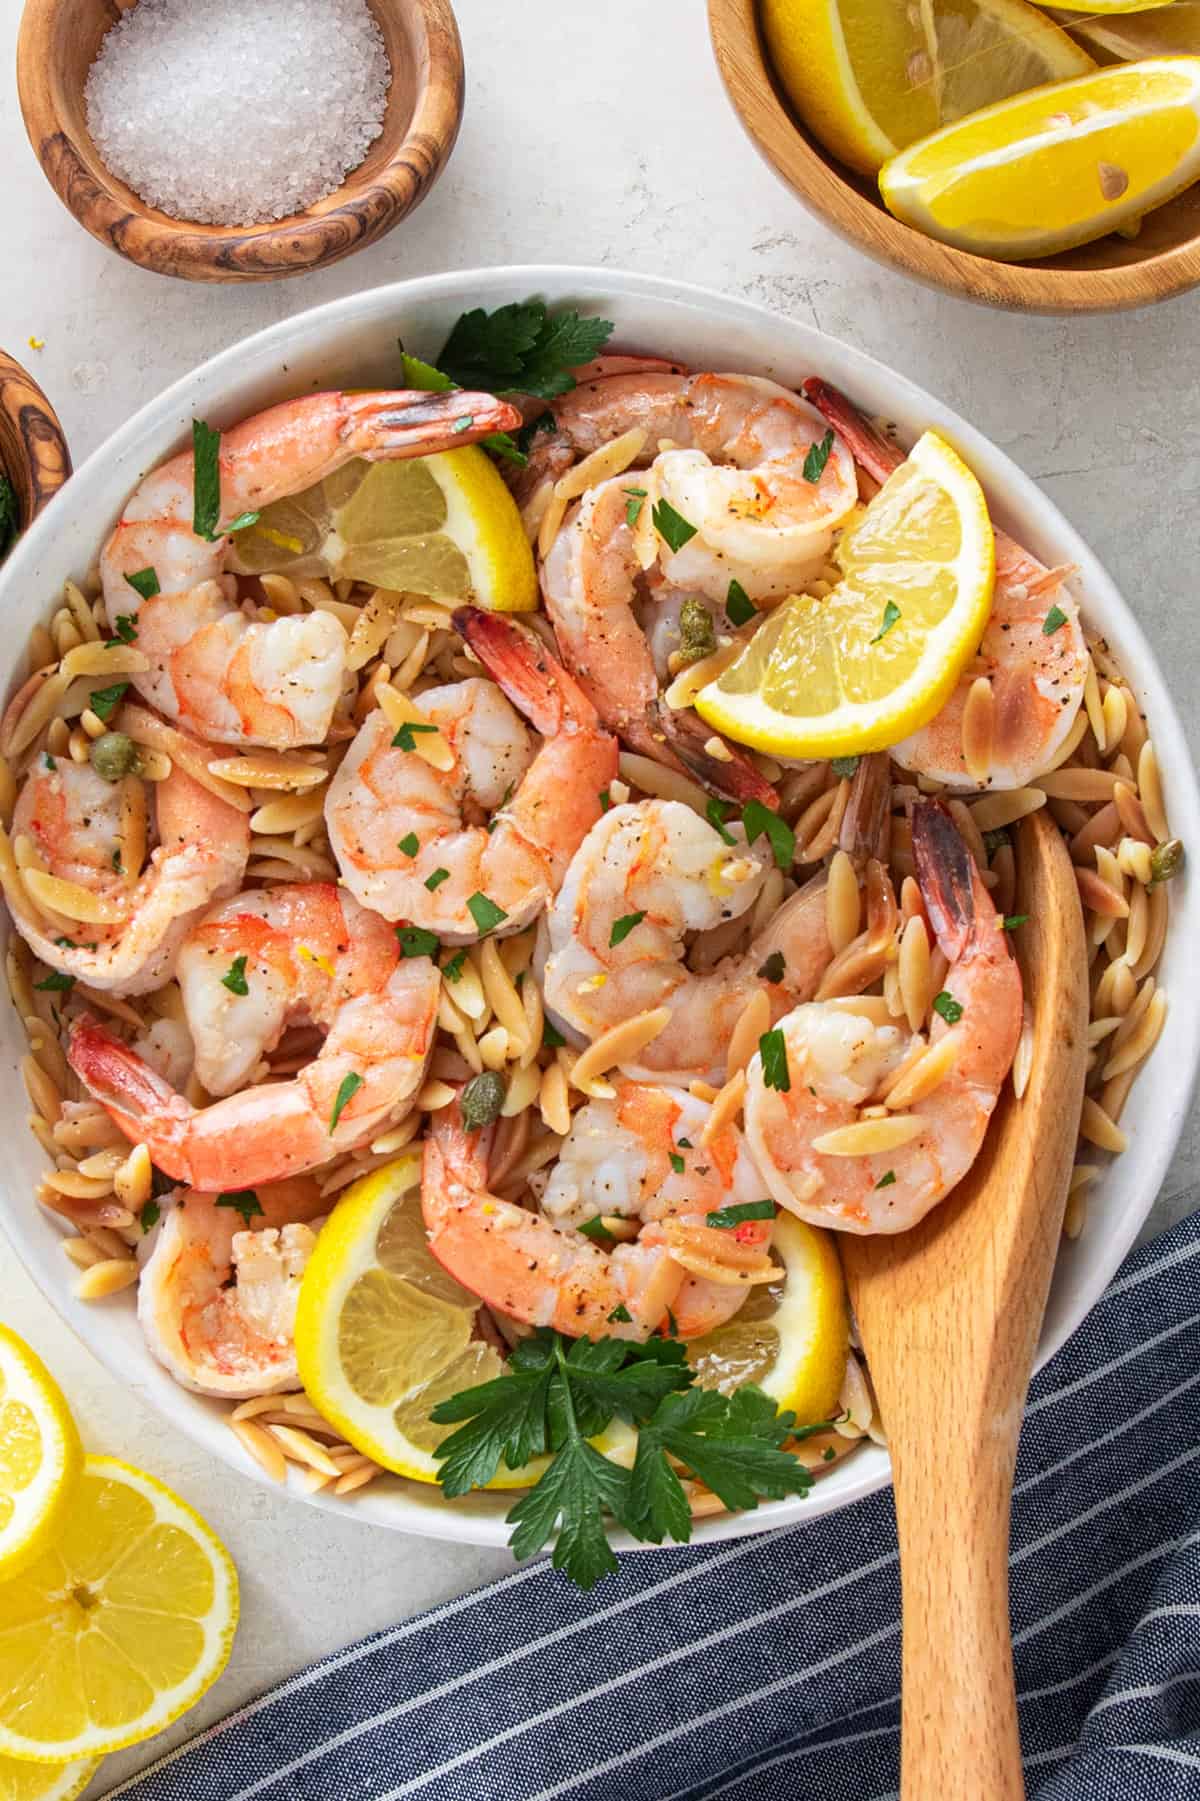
x: 949, y: 1315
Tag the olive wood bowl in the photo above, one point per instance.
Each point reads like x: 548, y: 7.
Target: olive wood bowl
x: 1109, y: 275
x: 56, y: 47
x: 33, y: 450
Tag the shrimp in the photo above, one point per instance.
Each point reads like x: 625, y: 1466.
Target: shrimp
x: 231, y: 680
x: 839, y: 1062
x: 217, y: 1305
x: 1037, y: 674
x: 74, y: 818
x: 301, y: 952
x: 644, y: 1156
x: 418, y: 843
x: 647, y: 874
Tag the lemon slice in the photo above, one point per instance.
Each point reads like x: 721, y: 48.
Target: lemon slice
x: 444, y: 525
x: 881, y: 654
x: 119, y: 1626
x: 1111, y: 31
x: 40, y: 1454
x: 791, y: 1337
x: 870, y: 76
x: 1046, y: 171
x: 45, y: 1781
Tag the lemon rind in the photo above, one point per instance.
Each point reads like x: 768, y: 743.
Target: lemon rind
x: 58, y: 1480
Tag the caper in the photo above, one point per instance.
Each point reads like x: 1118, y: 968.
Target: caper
x: 114, y: 756
x: 482, y: 1099
x: 1166, y: 860
x: 697, y: 634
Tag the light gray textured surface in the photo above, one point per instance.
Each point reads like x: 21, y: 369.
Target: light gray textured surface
x: 598, y: 136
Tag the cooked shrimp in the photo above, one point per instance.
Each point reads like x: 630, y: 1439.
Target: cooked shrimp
x: 643, y: 1155
x: 418, y: 843
x: 302, y: 952
x: 525, y: 1267
x: 1037, y: 667
x: 648, y: 874
x: 839, y: 1062
x: 229, y: 679
x: 73, y: 818
x: 217, y: 1304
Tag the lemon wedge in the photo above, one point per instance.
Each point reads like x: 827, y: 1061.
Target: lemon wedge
x: 443, y: 525
x: 1046, y: 171
x: 790, y: 1337
x: 40, y: 1454
x: 870, y: 76
x: 1111, y: 31
x: 881, y: 654
x: 119, y: 1626
x: 45, y: 1781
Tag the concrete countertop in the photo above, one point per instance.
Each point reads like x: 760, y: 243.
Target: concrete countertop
x: 595, y: 135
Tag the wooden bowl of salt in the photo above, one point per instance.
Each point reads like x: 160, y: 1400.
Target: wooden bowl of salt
x: 419, y: 110
x: 33, y: 450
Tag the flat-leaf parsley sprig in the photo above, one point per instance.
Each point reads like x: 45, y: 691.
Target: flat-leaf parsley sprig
x: 559, y: 1393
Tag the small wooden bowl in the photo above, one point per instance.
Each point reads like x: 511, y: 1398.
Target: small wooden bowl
x: 56, y: 47
x: 33, y: 450
x: 1113, y: 273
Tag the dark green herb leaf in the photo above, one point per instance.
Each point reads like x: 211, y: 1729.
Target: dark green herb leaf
x: 593, y: 1229
x: 502, y: 444
x: 674, y: 530
x: 1013, y: 920
x: 240, y: 524
x: 433, y: 882
x: 552, y: 1038
x: 149, y: 1216
x: 605, y: 800
x: 235, y: 977
x: 1053, y: 620
x: 410, y: 844
x: 739, y: 606
x: 454, y: 968
x: 717, y: 812
x: 891, y: 613
x: 406, y: 737
x: 772, y: 1048
x: 415, y: 941
x: 57, y: 982
x: 243, y: 1201
x: 48, y: 760
x: 145, y: 583
x: 620, y: 1312
x: 482, y: 1099
x: 486, y: 914
x: 886, y: 1179
x: 423, y: 375
x: 633, y: 506
x: 758, y: 820
x: 519, y: 349
x: 845, y: 768
x: 685, y: 1144
x: 818, y: 456
x: 105, y: 701
x: 678, y: 1164
x: 206, y: 480
x: 736, y: 1215
x: 622, y: 927
x: 348, y: 1088
x: 950, y: 1009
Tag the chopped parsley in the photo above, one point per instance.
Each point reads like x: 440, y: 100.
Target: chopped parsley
x: 622, y: 927
x: 891, y: 613
x: 206, y: 480
x: 725, y: 1218
x: 774, y: 968
x: 349, y: 1087
x: 48, y: 760
x: 105, y: 701
x: 818, y: 456
x: 845, y: 768
x: 486, y: 914
x: 235, y: 977
x: 674, y: 530
x: 415, y: 941
x: 243, y: 1201
x: 57, y: 982
x: 406, y: 737
x: 950, y: 1009
x: 739, y: 607
x: 1053, y: 620
x: 717, y: 812
x: 410, y: 844
x: 1013, y: 920
x: 620, y: 1313
x: 678, y: 1164
x: 240, y: 523
x: 149, y: 1216
x: 433, y: 882
x: 596, y: 1231
x: 605, y: 800
x: 759, y: 820
x: 552, y: 1038
x: 886, y: 1179
x: 772, y: 1048
x: 454, y: 968
x: 634, y: 504
x: 145, y: 583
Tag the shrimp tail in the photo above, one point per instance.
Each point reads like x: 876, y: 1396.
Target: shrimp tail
x: 529, y: 676
x: 734, y: 779
x: 868, y: 446
x: 123, y: 1083
x: 866, y: 823
x: 946, y: 875
x: 410, y: 422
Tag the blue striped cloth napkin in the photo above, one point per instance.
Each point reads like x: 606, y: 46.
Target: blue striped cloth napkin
x: 768, y: 1668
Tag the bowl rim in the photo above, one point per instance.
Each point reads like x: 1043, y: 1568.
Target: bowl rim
x: 151, y: 433
x: 119, y: 219
x: 818, y: 182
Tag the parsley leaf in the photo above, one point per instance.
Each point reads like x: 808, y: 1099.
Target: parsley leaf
x: 774, y: 968
x: 415, y: 941
x: 620, y: 1312
x: 433, y: 882
x: 596, y: 1230
x: 405, y: 738
x: 1013, y: 920
x: 105, y: 701
x: 486, y: 914
x: 739, y: 607
x: 1053, y: 620
x: 950, y: 1009
x: 56, y: 983
x: 410, y: 844
x: 149, y: 1216
x: 772, y: 1048
x: 521, y: 349
x: 891, y: 613
x: 818, y: 456
x: 552, y: 1038
x: 633, y: 506
x: 758, y: 820
x: 243, y: 1201
x: 717, y: 812
x: 454, y: 968
x: 622, y: 927
x: 677, y: 1163
x: 674, y: 530
x: 349, y: 1087
x: 145, y: 583
x: 605, y: 800
x: 845, y: 768
x: 423, y: 375
x: 235, y: 977
x: 886, y: 1179
x: 730, y: 1442
x: 736, y: 1215
x: 206, y: 480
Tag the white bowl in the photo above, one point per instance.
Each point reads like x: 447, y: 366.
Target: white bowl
x: 352, y: 343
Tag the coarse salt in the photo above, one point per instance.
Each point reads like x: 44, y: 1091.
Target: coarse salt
x: 237, y: 112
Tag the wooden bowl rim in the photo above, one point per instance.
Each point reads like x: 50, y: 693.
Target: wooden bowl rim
x: 826, y: 193
x: 121, y: 220
x: 33, y: 445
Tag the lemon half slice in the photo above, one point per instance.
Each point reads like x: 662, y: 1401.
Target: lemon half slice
x: 881, y: 654
x: 443, y: 525
x: 45, y: 1781
x: 40, y: 1454
x: 1047, y: 171
x: 790, y: 1337
x: 119, y: 1626
x: 870, y: 76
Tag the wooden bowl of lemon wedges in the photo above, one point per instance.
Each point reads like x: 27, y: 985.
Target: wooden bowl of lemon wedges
x: 1030, y: 157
